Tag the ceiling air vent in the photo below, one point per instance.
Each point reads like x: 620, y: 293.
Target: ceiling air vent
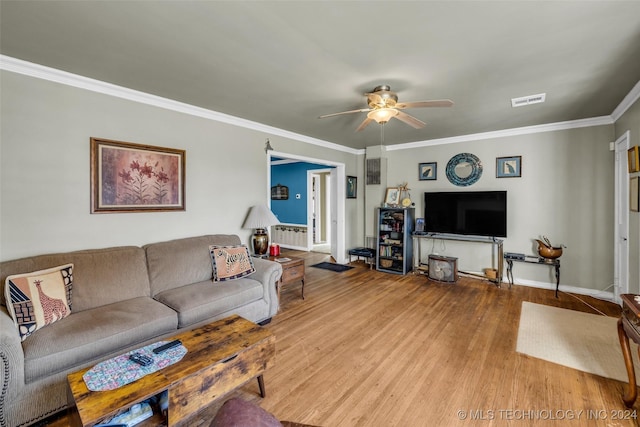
x: 528, y: 100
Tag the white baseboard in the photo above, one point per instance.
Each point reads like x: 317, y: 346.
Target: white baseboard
x: 595, y: 293
x: 297, y: 248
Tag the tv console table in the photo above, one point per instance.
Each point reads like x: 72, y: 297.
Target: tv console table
x: 496, y: 244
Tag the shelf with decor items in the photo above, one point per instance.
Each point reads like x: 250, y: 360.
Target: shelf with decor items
x: 393, y: 232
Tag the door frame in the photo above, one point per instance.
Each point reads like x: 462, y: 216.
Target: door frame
x: 323, y: 226
x: 337, y: 197
x: 621, y: 242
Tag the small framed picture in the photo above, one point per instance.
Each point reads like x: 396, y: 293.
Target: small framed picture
x: 428, y: 171
x: 508, y: 167
x: 392, y: 197
x: 634, y: 159
x: 419, y: 225
x: 279, y: 192
x: 634, y: 194
x: 352, y: 187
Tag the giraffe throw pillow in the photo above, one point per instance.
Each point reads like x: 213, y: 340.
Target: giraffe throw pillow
x: 40, y: 298
x: 230, y: 262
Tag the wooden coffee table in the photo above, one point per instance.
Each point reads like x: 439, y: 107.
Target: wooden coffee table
x: 222, y: 356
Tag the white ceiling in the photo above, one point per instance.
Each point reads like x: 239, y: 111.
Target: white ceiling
x: 284, y: 63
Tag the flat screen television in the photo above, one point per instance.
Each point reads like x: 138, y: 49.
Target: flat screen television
x: 474, y: 213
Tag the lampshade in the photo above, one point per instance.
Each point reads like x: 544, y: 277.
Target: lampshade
x: 382, y: 115
x: 260, y: 216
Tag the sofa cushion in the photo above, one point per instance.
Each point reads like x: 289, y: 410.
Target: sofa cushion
x: 95, y: 333
x: 37, y: 299
x: 100, y: 276
x: 201, y: 301
x: 230, y: 262
x: 180, y: 262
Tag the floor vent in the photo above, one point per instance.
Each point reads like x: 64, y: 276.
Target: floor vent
x: 528, y: 100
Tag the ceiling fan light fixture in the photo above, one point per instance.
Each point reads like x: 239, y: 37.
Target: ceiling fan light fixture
x: 382, y: 115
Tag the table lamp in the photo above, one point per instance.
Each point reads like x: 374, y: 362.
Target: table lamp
x: 260, y: 217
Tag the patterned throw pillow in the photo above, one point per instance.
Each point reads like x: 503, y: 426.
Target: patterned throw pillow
x: 230, y: 262
x: 38, y: 299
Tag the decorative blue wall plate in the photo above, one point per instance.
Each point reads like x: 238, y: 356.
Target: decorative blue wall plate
x: 458, y: 160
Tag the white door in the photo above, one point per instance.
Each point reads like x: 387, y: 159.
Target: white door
x: 318, y: 211
x: 621, y: 232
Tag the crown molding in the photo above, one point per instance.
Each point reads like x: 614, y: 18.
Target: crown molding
x: 51, y: 74
x: 58, y: 76
x: 549, y: 127
x: 627, y: 102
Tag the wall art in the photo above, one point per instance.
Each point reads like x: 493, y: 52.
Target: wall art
x: 634, y: 194
x: 392, y: 197
x: 127, y: 177
x: 509, y: 167
x: 352, y: 187
x: 633, y: 155
x: 428, y: 171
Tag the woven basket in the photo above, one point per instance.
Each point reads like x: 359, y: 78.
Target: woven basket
x: 386, y: 263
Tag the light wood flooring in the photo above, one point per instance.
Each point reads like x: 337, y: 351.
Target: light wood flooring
x: 367, y: 348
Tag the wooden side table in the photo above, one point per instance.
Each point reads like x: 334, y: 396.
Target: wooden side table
x: 555, y: 263
x: 292, y: 271
x: 629, y: 327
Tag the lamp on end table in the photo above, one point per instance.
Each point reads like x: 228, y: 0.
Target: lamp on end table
x: 260, y: 217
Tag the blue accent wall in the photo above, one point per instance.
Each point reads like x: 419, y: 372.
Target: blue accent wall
x: 294, y: 176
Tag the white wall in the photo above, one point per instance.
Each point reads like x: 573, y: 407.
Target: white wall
x: 44, y: 170
x: 630, y: 121
x: 565, y: 193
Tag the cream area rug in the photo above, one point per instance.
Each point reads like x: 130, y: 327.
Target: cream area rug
x: 583, y: 341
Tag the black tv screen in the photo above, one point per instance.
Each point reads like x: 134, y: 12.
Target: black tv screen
x: 475, y: 213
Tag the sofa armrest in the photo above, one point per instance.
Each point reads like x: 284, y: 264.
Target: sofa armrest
x: 11, y: 361
x: 268, y: 273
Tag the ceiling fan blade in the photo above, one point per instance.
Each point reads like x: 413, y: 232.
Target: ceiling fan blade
x: 362, y: 110
x: 422, y: 104
x: 410, y: 120
x: 364, y: 124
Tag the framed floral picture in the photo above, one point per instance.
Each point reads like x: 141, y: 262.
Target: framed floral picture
x: 128, y: 177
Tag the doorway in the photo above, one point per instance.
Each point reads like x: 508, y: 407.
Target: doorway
x: 319, y: 181
x: 621, y: 232
x: 335, y: 206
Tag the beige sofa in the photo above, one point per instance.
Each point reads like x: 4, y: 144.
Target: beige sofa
x: 123, y: 298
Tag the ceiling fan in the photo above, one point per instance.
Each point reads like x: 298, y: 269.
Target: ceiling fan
x: 384, y: 105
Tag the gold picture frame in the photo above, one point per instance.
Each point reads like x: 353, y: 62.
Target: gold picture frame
x: 127, y: 177
x: 633, y: 155
x: 392, y: 196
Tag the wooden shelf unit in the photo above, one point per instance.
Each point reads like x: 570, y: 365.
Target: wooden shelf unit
x: 393, y: 233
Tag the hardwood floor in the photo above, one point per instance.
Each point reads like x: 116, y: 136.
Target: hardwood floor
x: 367, y: 348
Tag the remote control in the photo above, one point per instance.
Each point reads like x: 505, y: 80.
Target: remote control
x: 141, y: 359
x: 167, y: 346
